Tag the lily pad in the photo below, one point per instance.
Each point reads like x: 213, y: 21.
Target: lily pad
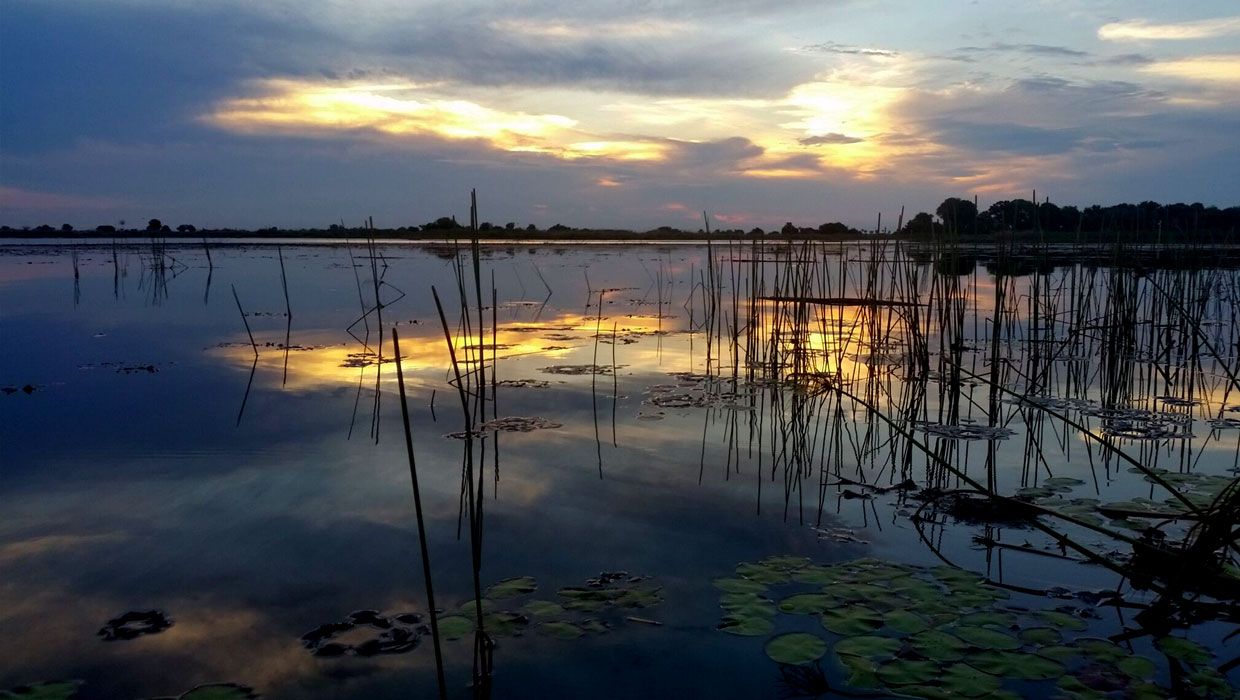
x: 965, y: 681
x: 739, y: 585
x: 1185, y: 650
x: 1063, y: 620
x: 816, y: 574
x: 1138, y: 667
x: 749, y: 626
x: 868, y: 646
x: 939, y: 646
x: 50, y: 690
x: 455, y: 626
x: 905, y: 622
x: 762, y: 573
x: 1042, y: 636
x: 907, y: 672
x: 542, y: 608
x: 797, y: 648
x: 560, y: 630
x: 851, y: 620
x: 512, y: 587
x: 806, y: 603
x: 1022, y: 666
x: 986, y: 638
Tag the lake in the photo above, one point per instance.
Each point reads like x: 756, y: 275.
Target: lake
x: 746, y: 470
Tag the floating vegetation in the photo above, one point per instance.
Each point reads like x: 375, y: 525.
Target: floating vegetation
x: 134, y: 624
x: 396, y: 634
x: 575, y: 370
x: 942, y: 632
x: 27, y: 389
x: 49, y: 690
x: 965, y: 431
x: 520, y: 424
x: 524, y: 383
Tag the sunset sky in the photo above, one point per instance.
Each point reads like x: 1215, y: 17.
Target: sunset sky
x: 606, y: 114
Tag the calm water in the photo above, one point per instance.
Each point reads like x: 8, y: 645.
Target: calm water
x: 156, y: 464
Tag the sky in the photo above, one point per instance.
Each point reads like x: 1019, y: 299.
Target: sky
x: 603, y: 114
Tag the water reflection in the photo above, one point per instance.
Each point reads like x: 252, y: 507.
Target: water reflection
x: 737, y: 402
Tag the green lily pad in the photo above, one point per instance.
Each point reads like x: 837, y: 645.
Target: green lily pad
x: 1100, y: 649
x: 50, y: 690
x: 749, y: 626
x: 816, y: 574
x: 595, y: 626
x: 986, y: 638
x: 455, y: 626
x: 1059, y: 653
x: 761, y: 573
x: 905, y: 622
x: 1072, y: 687
x: 939, y: 646
x: 797, y: 648
x: 1061, y: 619
x: 219, y: 691
x: 542, y: 608
x: 965, y: 681
x: 1022, y: 666
x: 851, y: 620
x: 639, y: 597
x: 785, y: 563
x: 739, y: 585
x: 861, y: 671
x: 906, y: 672
x: 989, y: 618
x: 560, y: 630
x: 868, y: 646
x: 1043, y: 636
x: 1137, y: 667
x: 512, y: 587
x: 806, y: 603
x: 1209, y: 683
x: 1185, y: 650
x: 504, y: 624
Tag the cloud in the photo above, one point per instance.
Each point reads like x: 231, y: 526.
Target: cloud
x: 1036, y: 49
x: 1208, y: 69
x: 832, y: 47
x: 824, y: 139
x: 1144, y: 30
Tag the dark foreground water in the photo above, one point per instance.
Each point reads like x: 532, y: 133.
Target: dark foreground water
x: 150, y: 462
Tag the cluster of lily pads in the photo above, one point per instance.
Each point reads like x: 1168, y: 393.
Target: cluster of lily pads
x: 65, y: 690
x: 941, y: 632
x: 592, y: 608
x: 965, y: 431
x: 1199, y: 489
x: 396, y: 634
x: 508, y: 610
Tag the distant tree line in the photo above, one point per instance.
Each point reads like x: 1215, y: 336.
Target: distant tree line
x: 957, y: 215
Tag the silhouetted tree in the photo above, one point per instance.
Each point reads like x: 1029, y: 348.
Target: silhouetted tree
x: 187, y: 228
x: 789, y: 229
x: 105, y: 228
x: 922, y: 224
x: 154, y: 225
x: 958, y: 215
x: 66, y: 227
